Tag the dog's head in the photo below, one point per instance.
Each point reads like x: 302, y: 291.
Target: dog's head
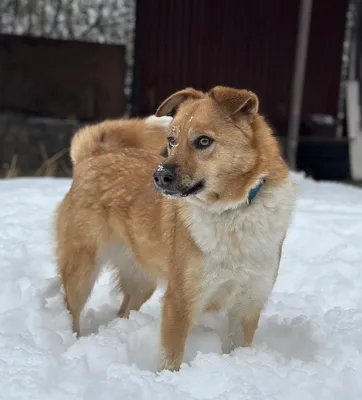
x: 218, y: 145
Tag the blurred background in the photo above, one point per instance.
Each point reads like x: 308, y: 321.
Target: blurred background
x: 66, y: 63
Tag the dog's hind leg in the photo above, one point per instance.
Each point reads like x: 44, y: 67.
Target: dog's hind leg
x: 137, y: 288
x: 78, y: 269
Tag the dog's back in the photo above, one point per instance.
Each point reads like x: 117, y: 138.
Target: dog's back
x: 112, y: 135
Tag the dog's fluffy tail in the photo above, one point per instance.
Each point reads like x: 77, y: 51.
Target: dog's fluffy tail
x: 113, y: 135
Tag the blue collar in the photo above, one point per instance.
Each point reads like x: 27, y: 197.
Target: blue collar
x: 254, y: 191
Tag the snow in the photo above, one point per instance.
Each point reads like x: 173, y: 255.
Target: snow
x: 308, y: 345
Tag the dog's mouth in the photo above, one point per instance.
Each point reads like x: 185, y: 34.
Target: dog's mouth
x: 184, y: 192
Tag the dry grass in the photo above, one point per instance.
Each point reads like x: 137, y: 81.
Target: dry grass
x: 12, y: 171
x: 51, y: 166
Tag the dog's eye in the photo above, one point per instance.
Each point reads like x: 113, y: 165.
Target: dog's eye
x: 203, y: 142
x: 171, y: 141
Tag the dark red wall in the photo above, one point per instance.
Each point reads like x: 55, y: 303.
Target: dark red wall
x: 246, y: 44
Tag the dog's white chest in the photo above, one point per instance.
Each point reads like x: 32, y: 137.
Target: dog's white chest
x: 241, y: 247
x: 236, y: 251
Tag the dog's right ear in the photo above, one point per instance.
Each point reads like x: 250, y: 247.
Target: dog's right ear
x: 169, y: 106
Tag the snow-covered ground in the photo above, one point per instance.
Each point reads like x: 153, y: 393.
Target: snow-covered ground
x: 308, y: 345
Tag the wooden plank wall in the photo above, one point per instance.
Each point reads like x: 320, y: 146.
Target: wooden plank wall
x: 61, y: 79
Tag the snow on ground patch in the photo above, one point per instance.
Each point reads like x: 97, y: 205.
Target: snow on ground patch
x: 308, y: 345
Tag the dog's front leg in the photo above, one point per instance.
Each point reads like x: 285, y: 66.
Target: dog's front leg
x: 244, y: 315
x: 243, y: 322
x: 177, y: 316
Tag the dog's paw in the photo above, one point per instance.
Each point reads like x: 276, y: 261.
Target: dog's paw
x: 165, y: 363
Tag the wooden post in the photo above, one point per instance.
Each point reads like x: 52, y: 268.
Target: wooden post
x: 298, y: 81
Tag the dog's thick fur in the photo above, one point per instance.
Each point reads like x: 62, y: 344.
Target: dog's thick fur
x: 112, y: 135
x: 214, y: 249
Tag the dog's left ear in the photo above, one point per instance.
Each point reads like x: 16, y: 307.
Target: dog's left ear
x: 233, y: 101
x: 169, y: 105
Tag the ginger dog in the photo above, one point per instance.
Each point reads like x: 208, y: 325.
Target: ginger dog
x: 210, y: 219
x: 112, y: 135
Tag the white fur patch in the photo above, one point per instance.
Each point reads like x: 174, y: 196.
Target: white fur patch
x: 165, y: 121
x: 241, y: 247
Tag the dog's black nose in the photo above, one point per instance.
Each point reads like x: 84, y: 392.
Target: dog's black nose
x: 164, y: 177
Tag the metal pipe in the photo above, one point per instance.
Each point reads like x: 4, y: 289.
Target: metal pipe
x: 298, y: 81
